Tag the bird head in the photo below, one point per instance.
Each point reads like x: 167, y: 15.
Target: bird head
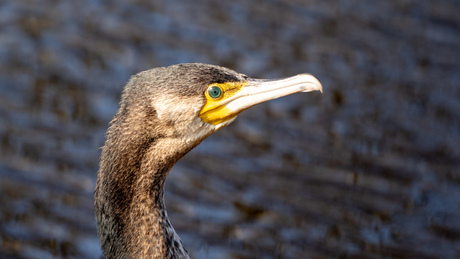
x: 192, y: 101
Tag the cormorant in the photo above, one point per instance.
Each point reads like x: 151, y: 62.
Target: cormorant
x: 164, y: 113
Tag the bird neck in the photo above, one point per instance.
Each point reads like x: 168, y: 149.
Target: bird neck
x: 130, y: 209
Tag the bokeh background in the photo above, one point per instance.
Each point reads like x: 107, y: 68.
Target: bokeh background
x: 369, y: 169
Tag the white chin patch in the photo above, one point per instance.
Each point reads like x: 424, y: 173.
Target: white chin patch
x: 225, y: 123
x: 204, y: 129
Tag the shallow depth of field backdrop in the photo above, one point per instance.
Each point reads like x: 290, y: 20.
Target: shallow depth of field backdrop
x: 369, y: 169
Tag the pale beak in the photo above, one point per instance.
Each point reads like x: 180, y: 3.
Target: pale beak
x: 260, y: 90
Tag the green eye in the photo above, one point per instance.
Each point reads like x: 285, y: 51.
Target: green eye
x: 215, y: 92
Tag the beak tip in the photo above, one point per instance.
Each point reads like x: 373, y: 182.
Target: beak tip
x: 312, y: 81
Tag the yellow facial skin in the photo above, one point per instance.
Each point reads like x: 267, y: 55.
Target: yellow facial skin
x: 214, y: 111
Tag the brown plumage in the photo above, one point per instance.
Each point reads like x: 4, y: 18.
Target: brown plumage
x: 157, y: 123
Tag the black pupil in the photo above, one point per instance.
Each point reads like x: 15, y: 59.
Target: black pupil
x: 215, y: 92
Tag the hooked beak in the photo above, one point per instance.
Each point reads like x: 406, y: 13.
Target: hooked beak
x: 260, y: 90
x: 238, y: 97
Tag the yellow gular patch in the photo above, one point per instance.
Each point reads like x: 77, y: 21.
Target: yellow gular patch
x: 215, y: 111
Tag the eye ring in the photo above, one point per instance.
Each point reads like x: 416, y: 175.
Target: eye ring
x: 215, y: 92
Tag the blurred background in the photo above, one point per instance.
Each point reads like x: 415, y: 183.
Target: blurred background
x: 369, y: 169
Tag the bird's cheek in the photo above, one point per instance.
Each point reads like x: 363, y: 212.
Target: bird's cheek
x: 216, y: 115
